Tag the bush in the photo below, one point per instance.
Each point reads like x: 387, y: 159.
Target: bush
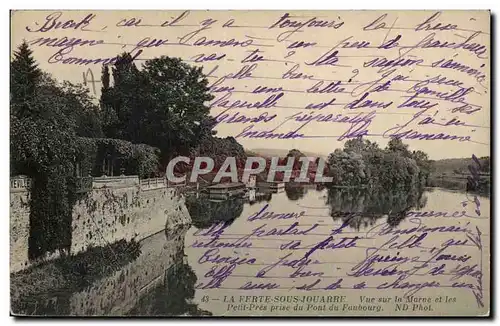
x: 139, y: 159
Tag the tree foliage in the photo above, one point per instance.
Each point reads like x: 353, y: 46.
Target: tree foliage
x: 219, y: 149
x: 126, y: 157
x: 24, y: 79
x: 162, y: 104
x: 51, y: 124
x: 144, y: 114
x: 363, y: 164
x: 45, y: 117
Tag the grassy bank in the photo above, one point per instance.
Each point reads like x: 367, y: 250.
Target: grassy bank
x: 459, y: 182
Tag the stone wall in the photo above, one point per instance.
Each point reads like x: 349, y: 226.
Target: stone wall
x: 115, y: 294
x: 19, y: 230
x: 102, y: 217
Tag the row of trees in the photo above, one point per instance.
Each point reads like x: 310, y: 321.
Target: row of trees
x: 58, y: 131
x: 362, y: 163
x: 376, y: 183
x: 163, y: 105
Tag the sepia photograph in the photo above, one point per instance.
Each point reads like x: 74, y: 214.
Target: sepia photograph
x: 226, y: 163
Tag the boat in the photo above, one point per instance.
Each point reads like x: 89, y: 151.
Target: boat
x: 225, y: 190
x: 275, y: 186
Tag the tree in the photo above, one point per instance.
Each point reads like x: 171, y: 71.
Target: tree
x: 71, y: 103
x: 295, y: 153
x: 25, y: 76
x: 108, y: 112
x: 397, y: 145
x: 424, y: 164
x: 162, y: 105
x: 46, y: 120
x: 347, y: 168
x: 359, y: 145
x: 363, y: 164
x: 43, y: 136
x: 297, y: 164
x: 219, y: 149
x: 485, y: 164
x: 118, y: 101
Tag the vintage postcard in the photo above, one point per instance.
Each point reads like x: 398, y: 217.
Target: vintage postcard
x: 250, y: 163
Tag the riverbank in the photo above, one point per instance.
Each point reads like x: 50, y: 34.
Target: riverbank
x: 460, y: 182
x: 69, y: 273
x: 108, y: 280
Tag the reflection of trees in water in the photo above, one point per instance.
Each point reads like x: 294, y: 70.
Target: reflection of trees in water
x: 205, y: 212
x: 103, y: 296
x: 295, y: 191
x: 362, y: 207
x: 174, y: 296
x: 320, y: 186
x: 46, y: 289
x: 268, y: 196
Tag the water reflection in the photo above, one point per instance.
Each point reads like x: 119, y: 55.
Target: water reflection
x: 362, y: 207
x: 173, y: 297
x: 257, y: 195
x: 205, y: 211
x: 158, y: 281
x: 161, y: 281
x: 295, y: 191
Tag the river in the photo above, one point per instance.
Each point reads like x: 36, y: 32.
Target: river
x: 172, y: 277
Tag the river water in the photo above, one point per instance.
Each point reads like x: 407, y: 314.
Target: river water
x: 176, y: 272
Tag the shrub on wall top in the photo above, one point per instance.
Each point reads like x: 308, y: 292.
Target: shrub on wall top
x: 139, y: 159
